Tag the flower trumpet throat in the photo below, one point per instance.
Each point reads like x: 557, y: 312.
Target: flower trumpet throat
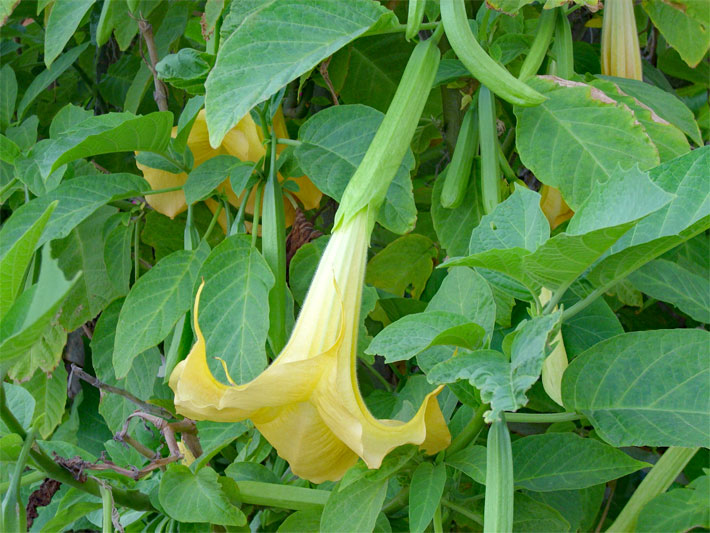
x: 621, y: 56
x: 307, y: 403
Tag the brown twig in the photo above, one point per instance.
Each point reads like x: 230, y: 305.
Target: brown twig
x: 161, y: 91
x: 323, y: 69
x: 159, y: 411
x: 612, y: 487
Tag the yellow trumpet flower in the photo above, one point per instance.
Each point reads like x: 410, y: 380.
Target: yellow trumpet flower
x: 554, y: 206
x: 307, y: 403
x: 244, y: 141
x: 621, y: 56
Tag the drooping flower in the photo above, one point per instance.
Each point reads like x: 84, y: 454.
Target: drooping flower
x: 244, y: 141
x: 554, y: 206
x: 307, y: 402
x: 621, y: 56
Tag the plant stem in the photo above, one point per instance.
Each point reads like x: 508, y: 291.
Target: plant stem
x: 213, y: 222
x: 476, y: 517
x: 27, y: 479
x: 281, y: 496
x: 398, y: 502
x: 538, y: 50
x: 470, y: 432
x: 582, y: 304
x: 541, y: 418
x: 127, y: 498
x: 401, y: 28
x: 161, y: 191
x: 291, y: 142
x: 436, y: 521
x: 107, y: 507
x: 668, y: 467
x: 137, y: 249
x: 255, y: 219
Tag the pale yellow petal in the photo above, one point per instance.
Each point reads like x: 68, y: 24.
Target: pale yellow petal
x: 554, y: 206
x: 553, y: 368
x: 169, y: 204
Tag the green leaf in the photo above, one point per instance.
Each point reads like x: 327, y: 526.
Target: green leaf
x: 64, y: 19
x: 245, y: 471
x: 425, y: 493
x: 414, y: 333
x: 14, y: 262
x: 8, y: 95
x: 113, y: 132
x: 301, y: 521
x: 187, y: 69
x: 156, y: 301
x: 41, y: 82
x: 670, y: 282
x: 117, y: 255
x: 199, y: 497
x: 81, y: 254
x: 688, y: 34
x: 502, y: 383
x: 678, y: 510
x: 405, y: 262
x: 465, y: 292
x: 215, y: 436
x: 646, y: 388
x: 21, y: 404
x: 77, y: 200
x: 303, y: 265
x: 206, y: 177
x: 246, y: 74
x: 534, y: 517
x: 33, y: 311
x: 334, y: 141
x: 44, y: 354
x: 66, y: 516
x: 665, y: 104
x: 578, y: 507
x: 234, y: 308
x: 471, y: 461
x: 576, y: 138
x: 50, y: 395
x: 356, y: 505
x: 454, y: 226
x: 565, y: 461
x: 685, y: 216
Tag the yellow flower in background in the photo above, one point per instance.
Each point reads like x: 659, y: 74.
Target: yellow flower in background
x: 554, y: 206
x: 307, y: 403
x: 244, y: 141
x: 621, y: 56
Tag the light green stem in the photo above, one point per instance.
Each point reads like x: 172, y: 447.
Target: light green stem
x: 281, y: 496
x: 476, y: 517
x: 107, y: 503
x: 469, y: 432
x: 541, y: 418
x: 668, y: 467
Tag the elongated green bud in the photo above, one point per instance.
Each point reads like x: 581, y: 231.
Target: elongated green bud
x: 105, y: 26
x: 415, y: 15
x: 562, y: 47
x: 490, y: 162
x: 498, y: 507
x: 538, y: 50
x: 459, y: 170
x: 12, y: 514
x: 369, y: 184
x: 480, y: 64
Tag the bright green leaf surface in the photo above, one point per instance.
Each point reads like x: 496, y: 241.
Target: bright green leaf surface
x: 404, y: 265
x: 678, y: 509
x: 64, y: 19
x: 356, y: 505
x: 425, y: 493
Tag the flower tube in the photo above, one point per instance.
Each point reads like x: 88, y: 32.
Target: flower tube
x: 307, y: 403
x: 621, y: 56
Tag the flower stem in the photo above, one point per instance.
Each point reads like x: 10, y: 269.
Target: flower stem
x: 470, y: 432
x: 282, y: 496
x: 541, y: 418
x: 476, y: 517
x: 668, y: 467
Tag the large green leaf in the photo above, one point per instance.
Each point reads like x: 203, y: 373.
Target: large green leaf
x: 250, y: 62
x: 157, y: 300
x: 678, y: 510
x: 77, y: 200
x: 565, y: 461
x: 14, y: 263
x: 64, y: 19
x: 414, y: 333
x: 646, y: 388
x: 578, y: 507
x: 425, y: 493
x: 33, y: 311
x: 576, y: 138
x: 533, y: 516
x: 670, y: 282
x: 8, y: 95
x: 688, y: 34
x: 334, y: 141
x: 502, y: 382
x: 50, y: 394
x: 41, y: 82
x: 103, y: 134
x: 685, y: 216
x: 198, y: 497
x: 82, y: 253
x: 404, y: 264
x: 356, y: 505
x: 234, y: 308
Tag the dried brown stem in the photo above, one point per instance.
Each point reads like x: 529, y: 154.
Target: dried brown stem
x: 323, y: 69
x: 161, y: 91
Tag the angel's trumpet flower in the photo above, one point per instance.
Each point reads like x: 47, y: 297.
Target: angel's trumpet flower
x: 244, y: 141
x: 621, y: 56
x: 554, y: 206
x: 556, y: 363
x: 307, y: 403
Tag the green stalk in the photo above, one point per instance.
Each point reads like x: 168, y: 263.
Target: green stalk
x: 498, y: 505
x: 476, y: 517
x: 469, y: 432
x: 415, y: 15
x: 14, y: 517
x: 128, y: 498
x: 213, y: 222
x: 562, y: 47
x: 273, y: 248
x: 436, y: 521
x: 237, y: 226
x: 459, y: 170
x: 191, y: 238
x: 27, y: 479
x: 257, y: 214
x: 661, y: 476
x: 541, y: 418
x: 538, y: 50
x: 281, y: 496
x: 137, y: 249
x: 107, y: 508
x: 490, y: 169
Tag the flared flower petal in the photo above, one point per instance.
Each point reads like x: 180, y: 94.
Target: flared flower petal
x: 307, y: 404
x: 244, y: 142
x: 554, y: 206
